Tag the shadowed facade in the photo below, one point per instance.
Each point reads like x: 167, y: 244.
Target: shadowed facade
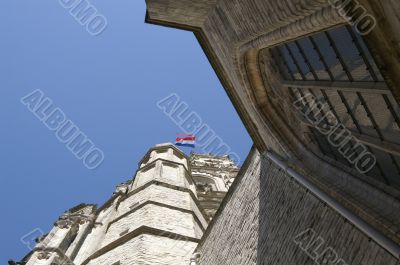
x: 270, y: 56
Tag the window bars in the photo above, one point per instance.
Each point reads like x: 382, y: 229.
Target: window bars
x: 336, y: 67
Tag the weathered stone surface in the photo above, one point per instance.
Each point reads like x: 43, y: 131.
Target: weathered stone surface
x: 263, y: 214
x: 155, y: 216
x: 155, y: 219
x: 267, y: 209
x: 236, y: 35
x: 164, y: 195
x: 149, y: 250
x: 177, y: 11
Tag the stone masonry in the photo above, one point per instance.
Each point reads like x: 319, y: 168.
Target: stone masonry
x: 268, y: 54
x: 265, y: 211
x: 156, y: 219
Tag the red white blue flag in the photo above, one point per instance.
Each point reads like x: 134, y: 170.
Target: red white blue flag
x: 187, y: 140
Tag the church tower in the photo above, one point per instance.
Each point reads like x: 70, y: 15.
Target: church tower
x: 158, y: 217
x: 213, y: 176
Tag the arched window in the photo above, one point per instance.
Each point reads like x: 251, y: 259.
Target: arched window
x: 333, y: 75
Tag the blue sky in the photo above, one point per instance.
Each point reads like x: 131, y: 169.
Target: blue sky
x: 108, y: 85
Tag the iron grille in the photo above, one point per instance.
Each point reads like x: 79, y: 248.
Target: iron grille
x: 336, y: 67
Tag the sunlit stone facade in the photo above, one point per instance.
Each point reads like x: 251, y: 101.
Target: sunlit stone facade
x: 158, y: 217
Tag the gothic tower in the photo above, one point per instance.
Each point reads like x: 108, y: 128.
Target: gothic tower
x: 155, y: 218
x: 213, y: 176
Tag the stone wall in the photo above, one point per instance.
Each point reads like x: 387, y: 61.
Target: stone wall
x: 263, y: 214
x: 155, y: 218
x: 233, y: 34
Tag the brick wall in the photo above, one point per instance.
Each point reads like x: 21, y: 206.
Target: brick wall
x: 263, y: 214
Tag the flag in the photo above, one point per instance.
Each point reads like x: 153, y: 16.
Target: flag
x: 186, y: 140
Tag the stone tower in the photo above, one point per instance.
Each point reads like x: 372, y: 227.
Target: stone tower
x: 156, y: 218
x: 213, y: 176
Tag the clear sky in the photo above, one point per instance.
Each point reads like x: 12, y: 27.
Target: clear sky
x: 108, y: 85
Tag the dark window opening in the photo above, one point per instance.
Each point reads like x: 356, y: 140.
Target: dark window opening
x: 336, y: 68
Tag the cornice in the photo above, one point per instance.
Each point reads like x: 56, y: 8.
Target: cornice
x: 151, y: 202
x: 167, y: 185
x: 163, y: 147
x: 137, y: 232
